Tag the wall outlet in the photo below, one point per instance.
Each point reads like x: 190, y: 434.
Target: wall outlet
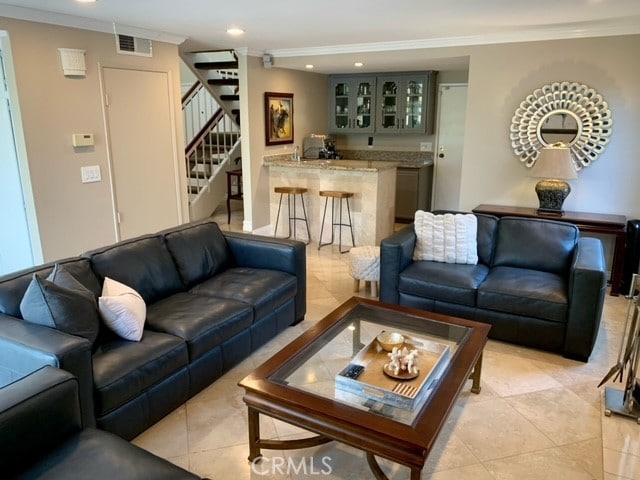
x: 426, y: 146
x: 90, y: 174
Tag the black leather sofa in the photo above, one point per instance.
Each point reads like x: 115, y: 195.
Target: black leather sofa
x: 212, y: 298
x: 42, y: 437
x: 537, y: 282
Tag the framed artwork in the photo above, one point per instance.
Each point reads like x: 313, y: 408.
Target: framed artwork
x: 278, y: 118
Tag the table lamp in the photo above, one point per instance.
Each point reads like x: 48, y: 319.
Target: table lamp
x: 554, y: 166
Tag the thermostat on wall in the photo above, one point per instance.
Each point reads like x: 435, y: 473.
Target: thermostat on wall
x: 82, y: 139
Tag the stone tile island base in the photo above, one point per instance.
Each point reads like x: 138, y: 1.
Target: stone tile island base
x: 373, y: 184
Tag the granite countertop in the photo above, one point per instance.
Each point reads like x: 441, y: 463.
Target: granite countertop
x: 332, y: 164
x: 372, y: 161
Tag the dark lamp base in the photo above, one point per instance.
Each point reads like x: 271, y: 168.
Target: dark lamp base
x: 551, y: 195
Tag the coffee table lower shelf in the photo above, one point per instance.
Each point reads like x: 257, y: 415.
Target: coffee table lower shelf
x: 256, y: 443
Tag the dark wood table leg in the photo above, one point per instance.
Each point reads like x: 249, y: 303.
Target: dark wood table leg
x: 228, y: 198
x: 475, y: 376
x: 254, y: 434
x: 416, y: 472
x: 618, y: 263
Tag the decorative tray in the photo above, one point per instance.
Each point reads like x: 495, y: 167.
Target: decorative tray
x: 404, y: 391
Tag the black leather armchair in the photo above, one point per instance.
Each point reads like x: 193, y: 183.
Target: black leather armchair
x: 41, y: 436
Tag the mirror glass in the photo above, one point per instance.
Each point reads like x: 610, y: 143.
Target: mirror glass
x: 558, y: 126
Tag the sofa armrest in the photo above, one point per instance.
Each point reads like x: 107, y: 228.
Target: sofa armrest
x: 396, y: 254
x: 587, y: 287
x: 25, y: 347
x: 37, y: 413
x: 270, y: 253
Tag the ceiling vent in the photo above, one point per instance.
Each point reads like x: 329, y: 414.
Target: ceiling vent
x: 128, y: 45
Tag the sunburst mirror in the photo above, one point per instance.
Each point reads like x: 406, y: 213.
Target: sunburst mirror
x: 567, y: 112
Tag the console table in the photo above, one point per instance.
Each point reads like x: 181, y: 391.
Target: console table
x: 586, y: 222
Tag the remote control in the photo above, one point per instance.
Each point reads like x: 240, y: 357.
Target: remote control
x: 352, y: 371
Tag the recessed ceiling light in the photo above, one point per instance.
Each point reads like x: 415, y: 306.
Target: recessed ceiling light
x: 86, y: 1
x: 235, y: 31
x: 358, y: 64
x: 308, y: 66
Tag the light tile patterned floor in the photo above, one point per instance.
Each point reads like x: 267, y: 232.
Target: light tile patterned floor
x: 539, y: 415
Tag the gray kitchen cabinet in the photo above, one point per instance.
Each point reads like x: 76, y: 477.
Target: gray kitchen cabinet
x: 394, y: 103
x: 413, y: 191
x: 352, y: 104
x: 405, y: 103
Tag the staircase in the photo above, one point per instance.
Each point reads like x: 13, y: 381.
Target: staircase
x: 211, y: 111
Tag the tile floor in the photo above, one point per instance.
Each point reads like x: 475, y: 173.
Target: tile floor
x: 539, y: 415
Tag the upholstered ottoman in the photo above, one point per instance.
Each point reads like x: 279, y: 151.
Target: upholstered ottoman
x: 364, y: 263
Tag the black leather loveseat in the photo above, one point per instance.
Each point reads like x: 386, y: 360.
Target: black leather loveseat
x: 211, y: 299
x: 42, y: 437
x: 537, y: 282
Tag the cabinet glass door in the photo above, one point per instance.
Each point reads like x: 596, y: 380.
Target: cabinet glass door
x: 363, y: 105
x: 413, y: 105
x: 341, y: 114
x: 389, y: 104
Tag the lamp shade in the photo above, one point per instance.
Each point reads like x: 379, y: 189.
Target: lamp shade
x: 554, y: 162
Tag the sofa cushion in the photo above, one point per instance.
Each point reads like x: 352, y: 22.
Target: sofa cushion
x: 14, y: 285
x: 531, y: 293
x: 449, y: 238
x: 535, y: 244
x: 61, y: 302
x: 122, y: 309
x: 487, y: 231
x: 456, y: 283
x: 143, y: 264
x: 264, y: 290
x: 203, y: 322
x: 98, y: 455
x: 122, y: 370
x: 200, y: 251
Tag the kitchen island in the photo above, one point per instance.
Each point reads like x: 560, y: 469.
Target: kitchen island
x: 372, y: 182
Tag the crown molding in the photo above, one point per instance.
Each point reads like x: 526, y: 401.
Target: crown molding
x: 531, y: 35
x: 72, y: 21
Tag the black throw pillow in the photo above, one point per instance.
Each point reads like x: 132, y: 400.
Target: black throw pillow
x: 61, y: 302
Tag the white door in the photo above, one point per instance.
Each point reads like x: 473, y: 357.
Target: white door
x: 452, y: 108
x: 142, y: 150
x: 15, y: 242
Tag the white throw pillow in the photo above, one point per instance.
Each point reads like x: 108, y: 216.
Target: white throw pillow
x: 449, y: 238
x: 122, y: 309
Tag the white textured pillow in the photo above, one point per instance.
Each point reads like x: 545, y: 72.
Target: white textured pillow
x: 122, y: 309
x: 449, y: 238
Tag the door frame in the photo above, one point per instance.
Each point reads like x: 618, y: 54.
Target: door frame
x: 107, y: 136
x: 21, y: 150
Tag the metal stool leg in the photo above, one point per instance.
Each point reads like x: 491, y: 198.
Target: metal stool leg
x: 275, y: 232
x: 324, y: 214
x: 353, y: 240
x: 306, y: 221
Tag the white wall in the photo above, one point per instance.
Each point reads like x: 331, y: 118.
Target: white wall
x: 501, y: 76
x: 310, y: 97
x: 73, y: 217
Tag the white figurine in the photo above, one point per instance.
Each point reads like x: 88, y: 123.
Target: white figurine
x: 411, y: 361
x: 395, y: 357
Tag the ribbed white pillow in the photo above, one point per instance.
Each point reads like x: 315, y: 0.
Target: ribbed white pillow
x: 122, y: 309
x: 449, y: 238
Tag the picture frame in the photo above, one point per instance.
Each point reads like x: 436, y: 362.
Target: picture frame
x: 278, y: 118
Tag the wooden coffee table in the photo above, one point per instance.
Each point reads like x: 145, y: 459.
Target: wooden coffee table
x: 298, y: 384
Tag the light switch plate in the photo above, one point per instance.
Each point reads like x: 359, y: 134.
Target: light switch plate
x: 426, y: 146
x: 90, y: 174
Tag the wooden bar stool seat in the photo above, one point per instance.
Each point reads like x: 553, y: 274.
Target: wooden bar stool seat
x: 293, y: 218
x: 340, y: 195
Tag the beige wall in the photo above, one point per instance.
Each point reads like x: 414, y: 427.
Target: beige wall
x: 310, y: 97
x: 72, y: 216
x: 501, y: 76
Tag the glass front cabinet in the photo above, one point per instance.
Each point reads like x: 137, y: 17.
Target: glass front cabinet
x: 403, y: 103
x: 352, y: 106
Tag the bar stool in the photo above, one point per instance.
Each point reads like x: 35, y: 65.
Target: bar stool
x: 339, y: 195
x: 292, y: 219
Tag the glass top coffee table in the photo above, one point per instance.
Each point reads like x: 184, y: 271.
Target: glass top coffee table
x: 311, y: 383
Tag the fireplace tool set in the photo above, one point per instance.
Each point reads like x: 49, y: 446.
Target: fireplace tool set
x: 627, y: 401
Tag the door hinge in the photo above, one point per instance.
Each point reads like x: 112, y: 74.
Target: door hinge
x: 118, y: 217
x: 106, y: 99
